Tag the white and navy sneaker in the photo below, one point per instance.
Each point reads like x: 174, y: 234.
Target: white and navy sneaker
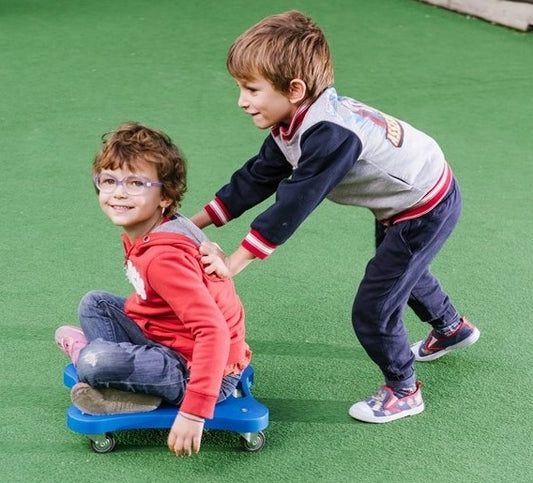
x: 437, y: 345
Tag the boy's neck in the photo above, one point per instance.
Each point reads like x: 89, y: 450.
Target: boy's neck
x: 136, y: 234
x: 287, y: 131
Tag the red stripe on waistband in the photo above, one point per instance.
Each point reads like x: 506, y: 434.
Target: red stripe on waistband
x: 432, y: 198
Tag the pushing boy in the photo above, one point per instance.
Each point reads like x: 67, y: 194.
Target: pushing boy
x: 322, y: 145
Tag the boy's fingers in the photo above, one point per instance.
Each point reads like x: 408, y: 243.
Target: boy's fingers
x: 210, y: 249
x: 209, y: 269
x: 196, y: 445
x: 208, y: 262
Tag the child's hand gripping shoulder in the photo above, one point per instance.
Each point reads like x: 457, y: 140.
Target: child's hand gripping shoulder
x: 216, y: 261
x: 185, y: 434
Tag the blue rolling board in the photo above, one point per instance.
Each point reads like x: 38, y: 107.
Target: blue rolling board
x: 239, y: 413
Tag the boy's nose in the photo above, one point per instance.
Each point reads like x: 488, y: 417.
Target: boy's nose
x: 120, y: 191
x: 242, y: 102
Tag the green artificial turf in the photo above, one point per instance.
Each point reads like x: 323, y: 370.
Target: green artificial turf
x: 71, y: 70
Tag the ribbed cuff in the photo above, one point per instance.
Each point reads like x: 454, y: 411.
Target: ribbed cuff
x: 218, y: 212
x: 258, y: 245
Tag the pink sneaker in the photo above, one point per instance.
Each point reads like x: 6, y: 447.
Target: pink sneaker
x: 70, y: 340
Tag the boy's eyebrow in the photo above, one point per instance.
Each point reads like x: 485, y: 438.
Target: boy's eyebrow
x: 247, y: 83
x: 244, y: 84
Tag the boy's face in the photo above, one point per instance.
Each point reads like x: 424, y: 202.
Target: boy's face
x: 137, y: 214
x: 266, y: 105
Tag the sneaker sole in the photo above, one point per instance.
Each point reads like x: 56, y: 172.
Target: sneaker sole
x: 104, y: 401
x: 388, y: 419
x: 472, y: 339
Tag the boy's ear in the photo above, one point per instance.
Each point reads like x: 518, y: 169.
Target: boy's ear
x: 165, y: 203
x: 297, y: 91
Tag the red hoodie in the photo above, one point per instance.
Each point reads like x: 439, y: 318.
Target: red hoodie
x: 198, y: 315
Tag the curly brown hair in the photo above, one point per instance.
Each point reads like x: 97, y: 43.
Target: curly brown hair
x: 131, y: 143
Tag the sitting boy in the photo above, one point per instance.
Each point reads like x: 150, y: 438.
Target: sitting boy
x: 180, y: 337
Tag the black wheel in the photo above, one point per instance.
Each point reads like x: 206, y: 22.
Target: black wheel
x: 105, y: 446
x: 256, y: 444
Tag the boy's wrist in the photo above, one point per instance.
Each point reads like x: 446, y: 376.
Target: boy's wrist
x: 191, y: 417
x: 238, y: 260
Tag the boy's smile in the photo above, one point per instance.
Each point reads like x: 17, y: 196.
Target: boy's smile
x: 267, y: 106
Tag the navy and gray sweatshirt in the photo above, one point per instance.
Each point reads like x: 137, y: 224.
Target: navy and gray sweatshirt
x: 340, y: 149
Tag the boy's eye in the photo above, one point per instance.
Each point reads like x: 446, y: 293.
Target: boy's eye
x: 107, y: 181
x: 135, y: 182
x: 248, y: 87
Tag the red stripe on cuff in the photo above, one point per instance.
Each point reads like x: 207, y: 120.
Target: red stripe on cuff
x: 258, y: 245
x: 218, y: 212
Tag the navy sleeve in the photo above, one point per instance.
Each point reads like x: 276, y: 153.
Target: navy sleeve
x: 257, y: 180
x: 329, y: 152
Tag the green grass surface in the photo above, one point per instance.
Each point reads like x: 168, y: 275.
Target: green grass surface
x: 72, y: 69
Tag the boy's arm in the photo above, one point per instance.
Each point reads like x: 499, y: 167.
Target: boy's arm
x: 202, y: 322
x: 328, y: 154
x: 201, y: 219
x: 251, y: 184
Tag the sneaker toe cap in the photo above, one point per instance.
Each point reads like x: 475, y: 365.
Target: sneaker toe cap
x: 415, y: 348
x: 361, y: 411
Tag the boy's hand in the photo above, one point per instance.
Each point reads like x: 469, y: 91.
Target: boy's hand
x: 215, y: 260
x: 185, y: 434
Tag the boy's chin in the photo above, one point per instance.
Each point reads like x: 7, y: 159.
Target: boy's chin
x: 262, y: 125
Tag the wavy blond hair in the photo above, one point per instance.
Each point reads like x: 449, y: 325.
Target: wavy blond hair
x: 281, y: 48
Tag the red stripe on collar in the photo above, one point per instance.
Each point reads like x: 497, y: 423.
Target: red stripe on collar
x: 296, y: 121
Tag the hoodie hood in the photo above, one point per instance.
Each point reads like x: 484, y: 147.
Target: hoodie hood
x: 189, y: 239
x: 182, y: 225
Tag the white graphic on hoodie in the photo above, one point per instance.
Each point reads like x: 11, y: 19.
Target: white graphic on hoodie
x: 135, y: 279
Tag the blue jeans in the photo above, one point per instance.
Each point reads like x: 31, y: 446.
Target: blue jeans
x: 397, y: 276
x: 118, y: 354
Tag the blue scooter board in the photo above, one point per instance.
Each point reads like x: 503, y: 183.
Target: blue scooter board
x: 240, y: 413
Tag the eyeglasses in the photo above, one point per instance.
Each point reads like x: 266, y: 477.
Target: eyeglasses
x: 133, y: 185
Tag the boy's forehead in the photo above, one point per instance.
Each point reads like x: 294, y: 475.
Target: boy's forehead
x: 245, y: 81
x: 132, y: 166
x: 252, y: 76
x: 257, y: 80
